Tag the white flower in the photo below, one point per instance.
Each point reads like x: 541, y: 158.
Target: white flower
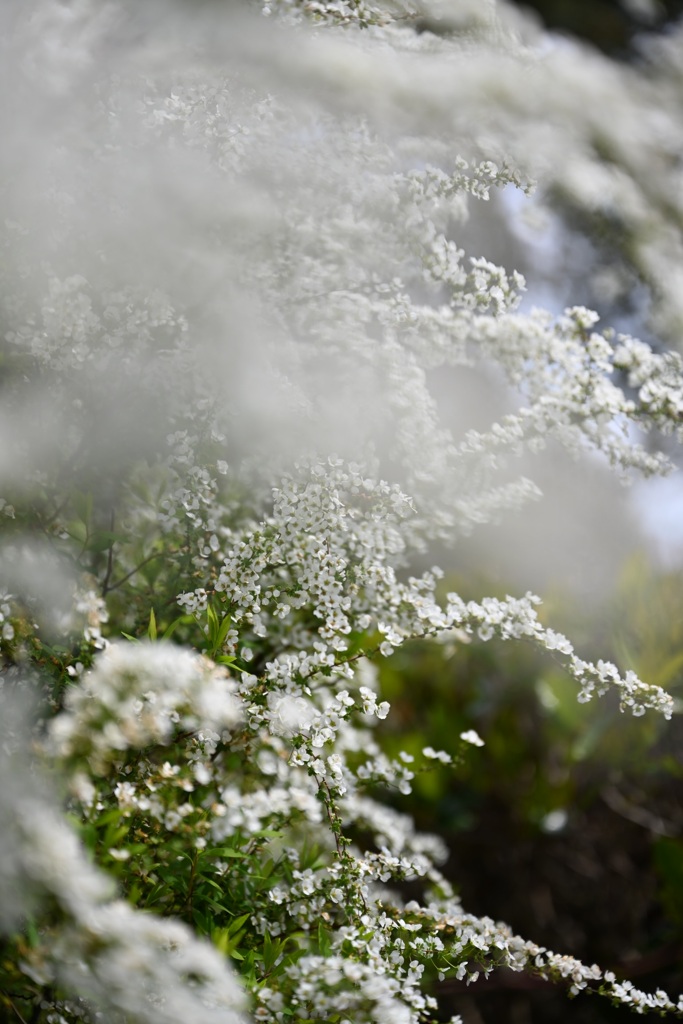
x: 140, y: 694
x: 290, y: 715
x: 472, y: 737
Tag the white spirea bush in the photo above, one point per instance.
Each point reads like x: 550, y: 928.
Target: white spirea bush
x: 230, y: 275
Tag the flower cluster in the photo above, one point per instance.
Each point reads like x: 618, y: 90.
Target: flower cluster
x: 141, y: 696
x: 135, y: 965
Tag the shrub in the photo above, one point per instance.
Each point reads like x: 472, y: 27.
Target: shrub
x: 230, y: 278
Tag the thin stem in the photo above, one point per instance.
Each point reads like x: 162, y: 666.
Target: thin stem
x: 335, y: 826
x: 22, y: 1019
x: 124, y: 579
x: 190, y: 889
x: 110, y: 557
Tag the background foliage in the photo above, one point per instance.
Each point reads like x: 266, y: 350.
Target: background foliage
x: 568, y: 823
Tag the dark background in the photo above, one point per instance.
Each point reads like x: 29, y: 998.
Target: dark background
x: 604, y: 23
x: 605, y: 882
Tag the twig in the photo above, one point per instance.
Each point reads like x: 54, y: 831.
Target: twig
x: 638, y: 815
x: 22, y: 1019
x: 124, y: 579
x: 110, y: 557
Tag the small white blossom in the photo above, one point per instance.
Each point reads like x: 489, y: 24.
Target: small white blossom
x: 471, y: 736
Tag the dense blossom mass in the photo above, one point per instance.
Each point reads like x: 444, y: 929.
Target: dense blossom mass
x: 231, y: 274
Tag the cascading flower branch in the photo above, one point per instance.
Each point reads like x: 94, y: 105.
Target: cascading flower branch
x: 230, y: 274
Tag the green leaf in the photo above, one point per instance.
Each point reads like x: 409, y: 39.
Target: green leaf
x: 103, y: 539
x: 212, y: 882
x: 156, y: 892
x: 218, y: 630
x: 215, y: 905
x: 223, y: 631
x: 231, y: 662
x: 152, y: 627
x: 271, y: 951
x: 267, y: 868
x: 237, y: 923
x: 202, y: 922
x: 212, y: 621
x: 181, y: 620
x: 78, y: 530
x: 32, y: 934
x: 82, y: 504
x: 323, y: 940
x: 113, y: 814
x: 221, y: 940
